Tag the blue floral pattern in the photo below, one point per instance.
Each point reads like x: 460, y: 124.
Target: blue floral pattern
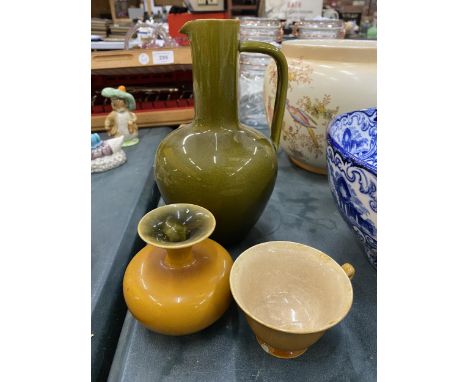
x: 352, y: 169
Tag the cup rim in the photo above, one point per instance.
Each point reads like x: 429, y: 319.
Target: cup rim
x: 330, y: 261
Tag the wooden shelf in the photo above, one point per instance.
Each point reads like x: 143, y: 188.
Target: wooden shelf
x: 142, y: 61
x: 152, y: 118
x: 139, y: 61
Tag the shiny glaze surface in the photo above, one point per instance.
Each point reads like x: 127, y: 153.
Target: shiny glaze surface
x: 177, y: 299
x: 232, y: 176
x: 352, y: 169
x: 216, y: 162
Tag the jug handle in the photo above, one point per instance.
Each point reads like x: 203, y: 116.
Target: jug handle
x: 282, y: 83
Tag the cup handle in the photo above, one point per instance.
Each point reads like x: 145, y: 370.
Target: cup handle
x: 282, y: 83
x: 349, y: 270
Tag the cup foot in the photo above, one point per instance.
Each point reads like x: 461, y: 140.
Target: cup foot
x: 278, y: 353
x: 308, y: 167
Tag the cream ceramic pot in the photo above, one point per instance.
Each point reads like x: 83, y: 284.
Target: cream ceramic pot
x: 326, y: 78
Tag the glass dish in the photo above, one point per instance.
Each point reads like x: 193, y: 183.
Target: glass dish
x: 320, y: 29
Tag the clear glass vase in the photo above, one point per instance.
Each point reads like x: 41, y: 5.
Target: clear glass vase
x: 252, y: 68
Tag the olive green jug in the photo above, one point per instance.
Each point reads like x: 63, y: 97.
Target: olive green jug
x: 216, y: 162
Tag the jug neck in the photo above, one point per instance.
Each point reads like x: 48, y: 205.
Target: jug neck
x: 214, y: 45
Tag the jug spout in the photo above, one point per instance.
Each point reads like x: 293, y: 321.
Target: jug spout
x: 218, y: 27
x: 186, y: 28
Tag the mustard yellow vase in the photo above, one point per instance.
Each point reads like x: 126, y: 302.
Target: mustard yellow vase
x: 179, y: 282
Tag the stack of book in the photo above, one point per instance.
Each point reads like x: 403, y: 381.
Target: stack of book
x: 99, y: 27
x: 118, y: 32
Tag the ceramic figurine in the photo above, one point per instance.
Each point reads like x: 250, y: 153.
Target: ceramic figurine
x: 121, y: 121
x: 326, y: 77
x: 352, y: 173
x: 106, y: 155
x: 291, y: 294
x: 216, y: 162
x: 179, y: 283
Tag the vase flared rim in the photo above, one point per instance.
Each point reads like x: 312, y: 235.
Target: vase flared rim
x: 157, y: 214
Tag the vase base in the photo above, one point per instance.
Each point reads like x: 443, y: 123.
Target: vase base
x: 131, y: 142
x: 278, y: 353
x: 307, y: 167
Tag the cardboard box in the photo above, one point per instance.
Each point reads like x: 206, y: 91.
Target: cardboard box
x: 177, y: 20
x: 177, y: 3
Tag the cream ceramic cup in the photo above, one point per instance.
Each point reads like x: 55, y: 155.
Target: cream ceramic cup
x: 291, y: 294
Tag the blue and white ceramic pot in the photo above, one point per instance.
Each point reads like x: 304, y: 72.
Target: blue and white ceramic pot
x: 352, y: 173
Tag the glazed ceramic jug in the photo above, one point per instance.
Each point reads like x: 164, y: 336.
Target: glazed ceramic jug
x: 215, y: 162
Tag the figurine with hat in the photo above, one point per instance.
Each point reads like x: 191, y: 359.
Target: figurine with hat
x: 121, y: 121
